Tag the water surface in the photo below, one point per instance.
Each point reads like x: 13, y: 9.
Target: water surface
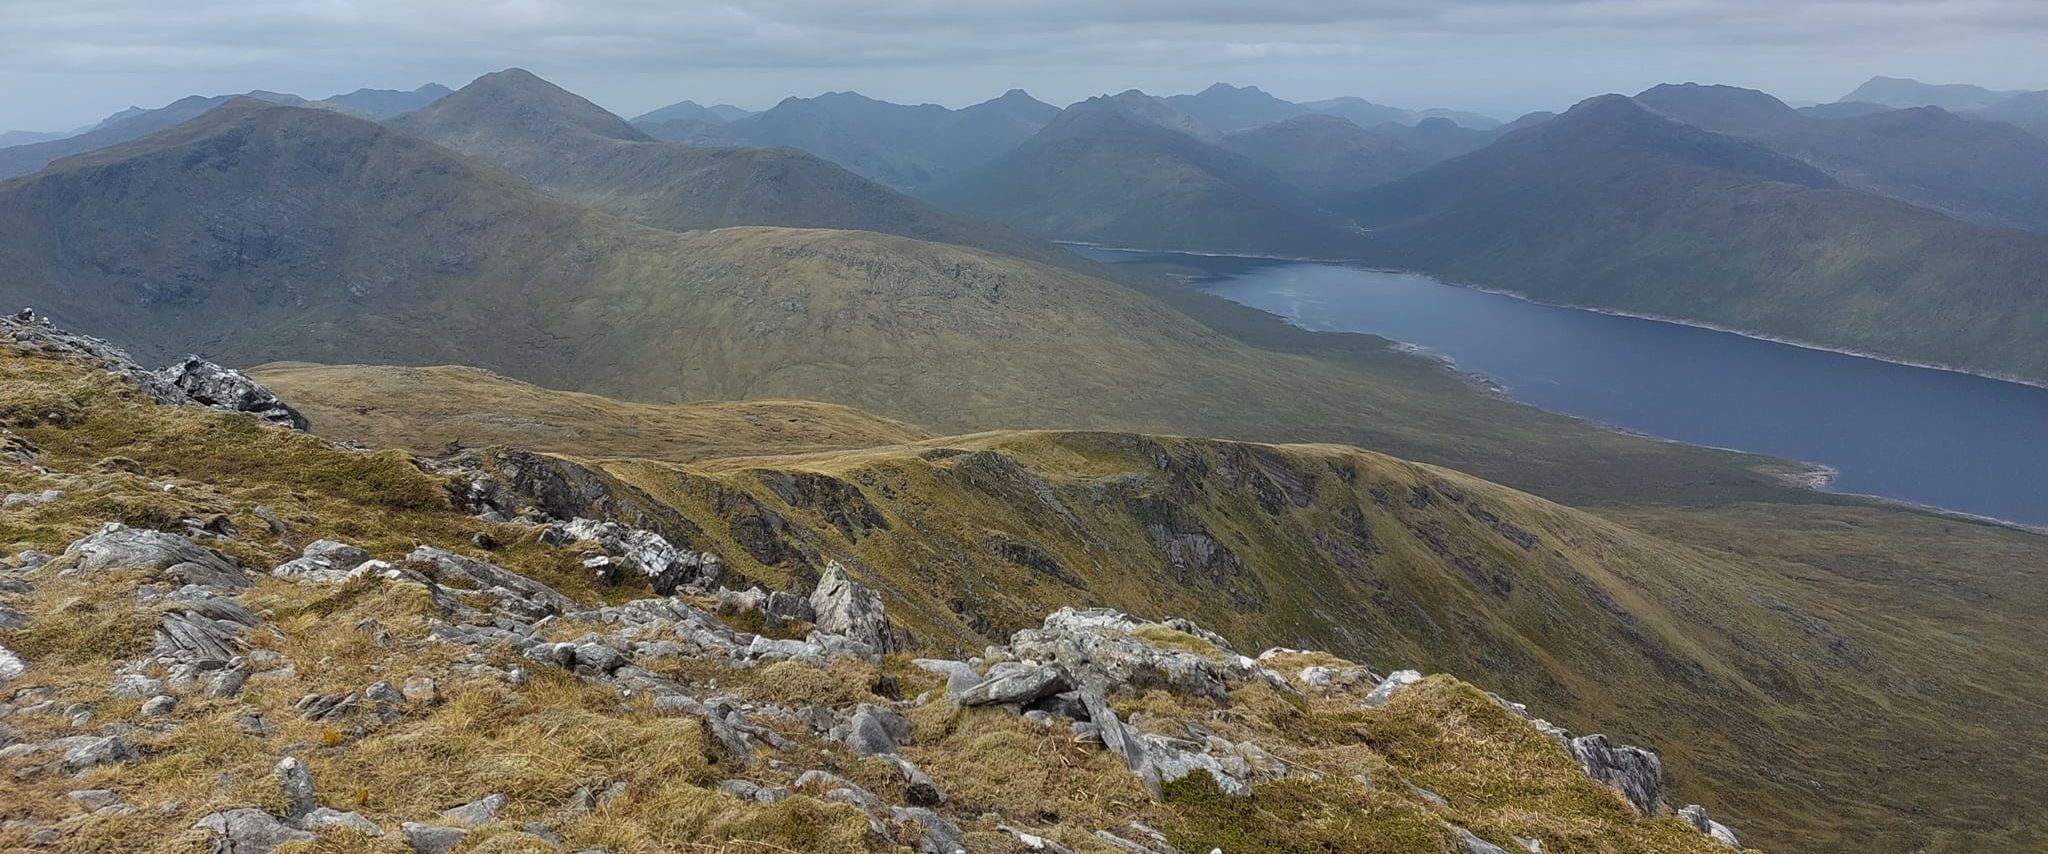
x: 1940, y: 438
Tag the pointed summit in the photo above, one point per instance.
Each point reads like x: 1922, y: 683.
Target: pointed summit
x: 516, y: 103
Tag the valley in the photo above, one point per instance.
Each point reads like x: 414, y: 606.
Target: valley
x: 828, y: 353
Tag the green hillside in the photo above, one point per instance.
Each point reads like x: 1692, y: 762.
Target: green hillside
x: 1773, y: 635
x: 579, y: 153
x: 1614, y: 207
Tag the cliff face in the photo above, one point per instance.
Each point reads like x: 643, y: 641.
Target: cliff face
x: 217, y: 628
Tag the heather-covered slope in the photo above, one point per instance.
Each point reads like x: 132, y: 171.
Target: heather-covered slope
x: 298, y: 644
x: 1774, y: 635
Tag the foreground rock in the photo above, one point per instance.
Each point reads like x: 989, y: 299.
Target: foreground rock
x: 208, y: 384
x: 191, y: 381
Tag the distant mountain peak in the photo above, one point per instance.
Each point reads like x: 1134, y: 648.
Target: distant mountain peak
x: 518, y: 101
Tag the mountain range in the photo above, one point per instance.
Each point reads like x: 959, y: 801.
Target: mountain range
x: 2019, y: 107
x: 1104, y: 172
x: 906, y: 147
x: 1614, y: 206
x: 1030, y: 430
x: 1980, y: 171
x: 136, y: 122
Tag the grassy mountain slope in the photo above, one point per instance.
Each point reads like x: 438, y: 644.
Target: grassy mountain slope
x: 122, y: 127
x: 1105, y: 174
x: 578, y: 152
x: 266, y: 233
x: 433, y: 409
x: 1613, y: 206
x: 479, y: 718
x: 1979, y: 171
x: 1728, y: 625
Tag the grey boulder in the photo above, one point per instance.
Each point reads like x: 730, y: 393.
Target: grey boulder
x: 1635, y: 771
x: 249, y: 831
x: 846, y: 607
x: 208, y: 384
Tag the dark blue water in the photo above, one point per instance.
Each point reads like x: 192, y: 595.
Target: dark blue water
x: 1931, y: 437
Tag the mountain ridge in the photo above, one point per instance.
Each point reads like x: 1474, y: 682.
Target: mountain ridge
x: 1717, y: 230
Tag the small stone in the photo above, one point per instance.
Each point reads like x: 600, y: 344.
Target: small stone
x: 1395, y: 681
x: 323, y: 817
x: 297, y: 784
x: 430, y: 839
x: 476, y: 813
x: 419, y: 689
x: 93, y: 799
x: 159, y: 705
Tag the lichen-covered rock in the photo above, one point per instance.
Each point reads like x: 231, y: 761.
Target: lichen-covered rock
x: 1014, y: 683
x: 117, y: 546
x: 847, y: 607
x: 515, y: 592
x: 1635, y: 771
x: 665, y: 566
x: 874, y: 729
x: 324, y: 562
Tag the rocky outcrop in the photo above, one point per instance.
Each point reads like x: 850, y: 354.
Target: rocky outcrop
x: 191, y: 381
x: 117, y: 546
x: 323, y: 562
x: 848, y: 608
x: 1633, y: 770
x: 1696, y: 815
x: 666, y: 567
x: 208, y: 384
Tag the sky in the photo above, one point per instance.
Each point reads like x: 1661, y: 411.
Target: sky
x: 67, y: 63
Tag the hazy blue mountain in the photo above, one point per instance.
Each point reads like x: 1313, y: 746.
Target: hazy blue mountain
x: 910, y: 147
x: 1225, y: 108
x: 130, y: 124
x: 29, y: 137
x: 1844, y: 110
x: 1324, y: 155
x: 1365, y: 113
x: 713, y: 115
x: 1359, y: 111
x: 1907, y: 92
x: 1437, y: 138
x: 2027, y: 111
x: 382, y: 104
x: 1107, y: 170
x: 1982, y: 171
x: 1464, y: 118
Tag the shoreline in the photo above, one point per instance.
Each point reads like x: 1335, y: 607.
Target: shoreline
x: 1611, y: 312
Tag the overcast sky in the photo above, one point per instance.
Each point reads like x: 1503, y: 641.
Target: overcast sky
x: 65, y: 63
